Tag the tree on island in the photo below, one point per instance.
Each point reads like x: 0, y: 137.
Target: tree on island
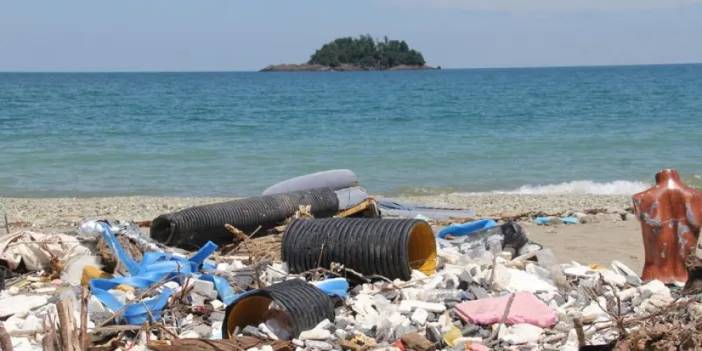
x: 367, y: 53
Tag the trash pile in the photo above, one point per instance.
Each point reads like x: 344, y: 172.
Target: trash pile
x: 330, y: 268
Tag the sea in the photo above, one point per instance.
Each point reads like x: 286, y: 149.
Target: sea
x: 600, y: 130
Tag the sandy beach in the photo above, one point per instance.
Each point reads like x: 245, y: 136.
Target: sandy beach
x: 605, y: 236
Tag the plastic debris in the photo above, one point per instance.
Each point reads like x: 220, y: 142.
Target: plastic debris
x: 466, y: 228
x: 491, y: 289
x: 550, y: 220
x: 37, y: 251
x: 521, y: 307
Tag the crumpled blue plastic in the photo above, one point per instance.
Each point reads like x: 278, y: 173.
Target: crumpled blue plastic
x: 548, y: 220
x: 466, y: 228
x: 334, y: 287
x: 155, y: 267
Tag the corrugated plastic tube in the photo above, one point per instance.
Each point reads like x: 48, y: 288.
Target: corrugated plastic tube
x: 388, y: 247
x: 289, y: 308
x: 194, y: 226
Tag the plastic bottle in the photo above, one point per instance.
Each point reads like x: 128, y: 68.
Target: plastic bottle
x: 440, y: 295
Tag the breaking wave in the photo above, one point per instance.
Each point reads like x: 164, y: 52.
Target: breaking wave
x: 617, y: 187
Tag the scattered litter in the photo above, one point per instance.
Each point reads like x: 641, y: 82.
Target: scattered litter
x: 551, y: 220
x: 521, y: 307
x: 38, y: 251
x: 351, y: 283
x: 466, y: 228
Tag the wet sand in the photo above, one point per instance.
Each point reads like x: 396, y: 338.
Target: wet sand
x: 607, y: 237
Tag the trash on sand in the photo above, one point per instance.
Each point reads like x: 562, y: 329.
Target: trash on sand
x: 338, y: 287
x: 388, y: 247
x: 10, y: 305
x: 416, y: 341
x: 37, y: 251
x: 240, y: 343
x: 487, y: 233
x: 155, y: 268
x: 550, y: 220
x: 466, y: 228
x: 335, y: 292
x: 286, y: 308
x: 670, y: 214
x: 521, y: 333
x: 520, y: 307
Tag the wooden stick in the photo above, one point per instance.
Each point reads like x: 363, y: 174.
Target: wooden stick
x: 7, y: 224
x: 364, y: 205
x: 5, y: 340
x: 84, y: 337
x: 508, y: 307
x: 115, y: 328
x: 579, y: 331
x: 69, y: 340
x: 48, y: 343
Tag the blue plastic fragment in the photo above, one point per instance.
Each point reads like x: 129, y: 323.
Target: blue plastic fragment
x: 546, y: 220
x: 466, y: 228
x: 224, y: 290
x: 334, y: 287
x: 154, y: 267
x: 569, y: 220
x: 543, y: 220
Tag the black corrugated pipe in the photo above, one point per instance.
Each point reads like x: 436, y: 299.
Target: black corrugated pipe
x: 287, y: 308
x: 194, y: 226
x: 387, y: 247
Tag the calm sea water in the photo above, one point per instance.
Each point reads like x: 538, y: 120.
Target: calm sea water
x: 402, y: 132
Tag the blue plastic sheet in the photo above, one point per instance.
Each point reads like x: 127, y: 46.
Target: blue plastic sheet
x: 334, y: 287
x: 155, y: 267
x: 543, y: 220
x: 466, y: 228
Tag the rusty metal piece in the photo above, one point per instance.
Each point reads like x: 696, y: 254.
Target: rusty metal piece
x: 670, y: 213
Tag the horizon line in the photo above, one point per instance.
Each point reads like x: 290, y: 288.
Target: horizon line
x: 442, y: 68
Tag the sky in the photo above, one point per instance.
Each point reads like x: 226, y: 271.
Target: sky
x: 226, y: 35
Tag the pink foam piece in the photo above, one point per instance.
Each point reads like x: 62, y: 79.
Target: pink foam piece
x: 477, y: 347
x: 526, y: 308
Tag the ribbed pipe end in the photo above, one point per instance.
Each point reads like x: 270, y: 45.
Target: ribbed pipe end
x: 387, y: 247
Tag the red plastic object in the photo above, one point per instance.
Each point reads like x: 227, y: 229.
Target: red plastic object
x: 670, y: 213
x: 399, y: 345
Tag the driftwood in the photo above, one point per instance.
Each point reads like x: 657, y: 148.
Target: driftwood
x: 67, y: 329
x: 266, y: 248
x: 5, y: 340
x: 49, y: 341
x: 83, y: 335
x: 239, y: 344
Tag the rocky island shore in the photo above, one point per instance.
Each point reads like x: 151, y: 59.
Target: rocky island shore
x: 305, y: 67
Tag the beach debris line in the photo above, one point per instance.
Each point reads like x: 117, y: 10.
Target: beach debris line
x: 337, y: 283
x: 550, y: 220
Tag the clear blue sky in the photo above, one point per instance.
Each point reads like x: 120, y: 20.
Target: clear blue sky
x: 177, y: 35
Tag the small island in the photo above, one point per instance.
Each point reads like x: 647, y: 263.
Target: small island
x: 358, y: 54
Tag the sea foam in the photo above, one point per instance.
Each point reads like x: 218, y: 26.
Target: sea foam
x: 617, y: 187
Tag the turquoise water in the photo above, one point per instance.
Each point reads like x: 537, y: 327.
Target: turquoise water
x: 84, y: 134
